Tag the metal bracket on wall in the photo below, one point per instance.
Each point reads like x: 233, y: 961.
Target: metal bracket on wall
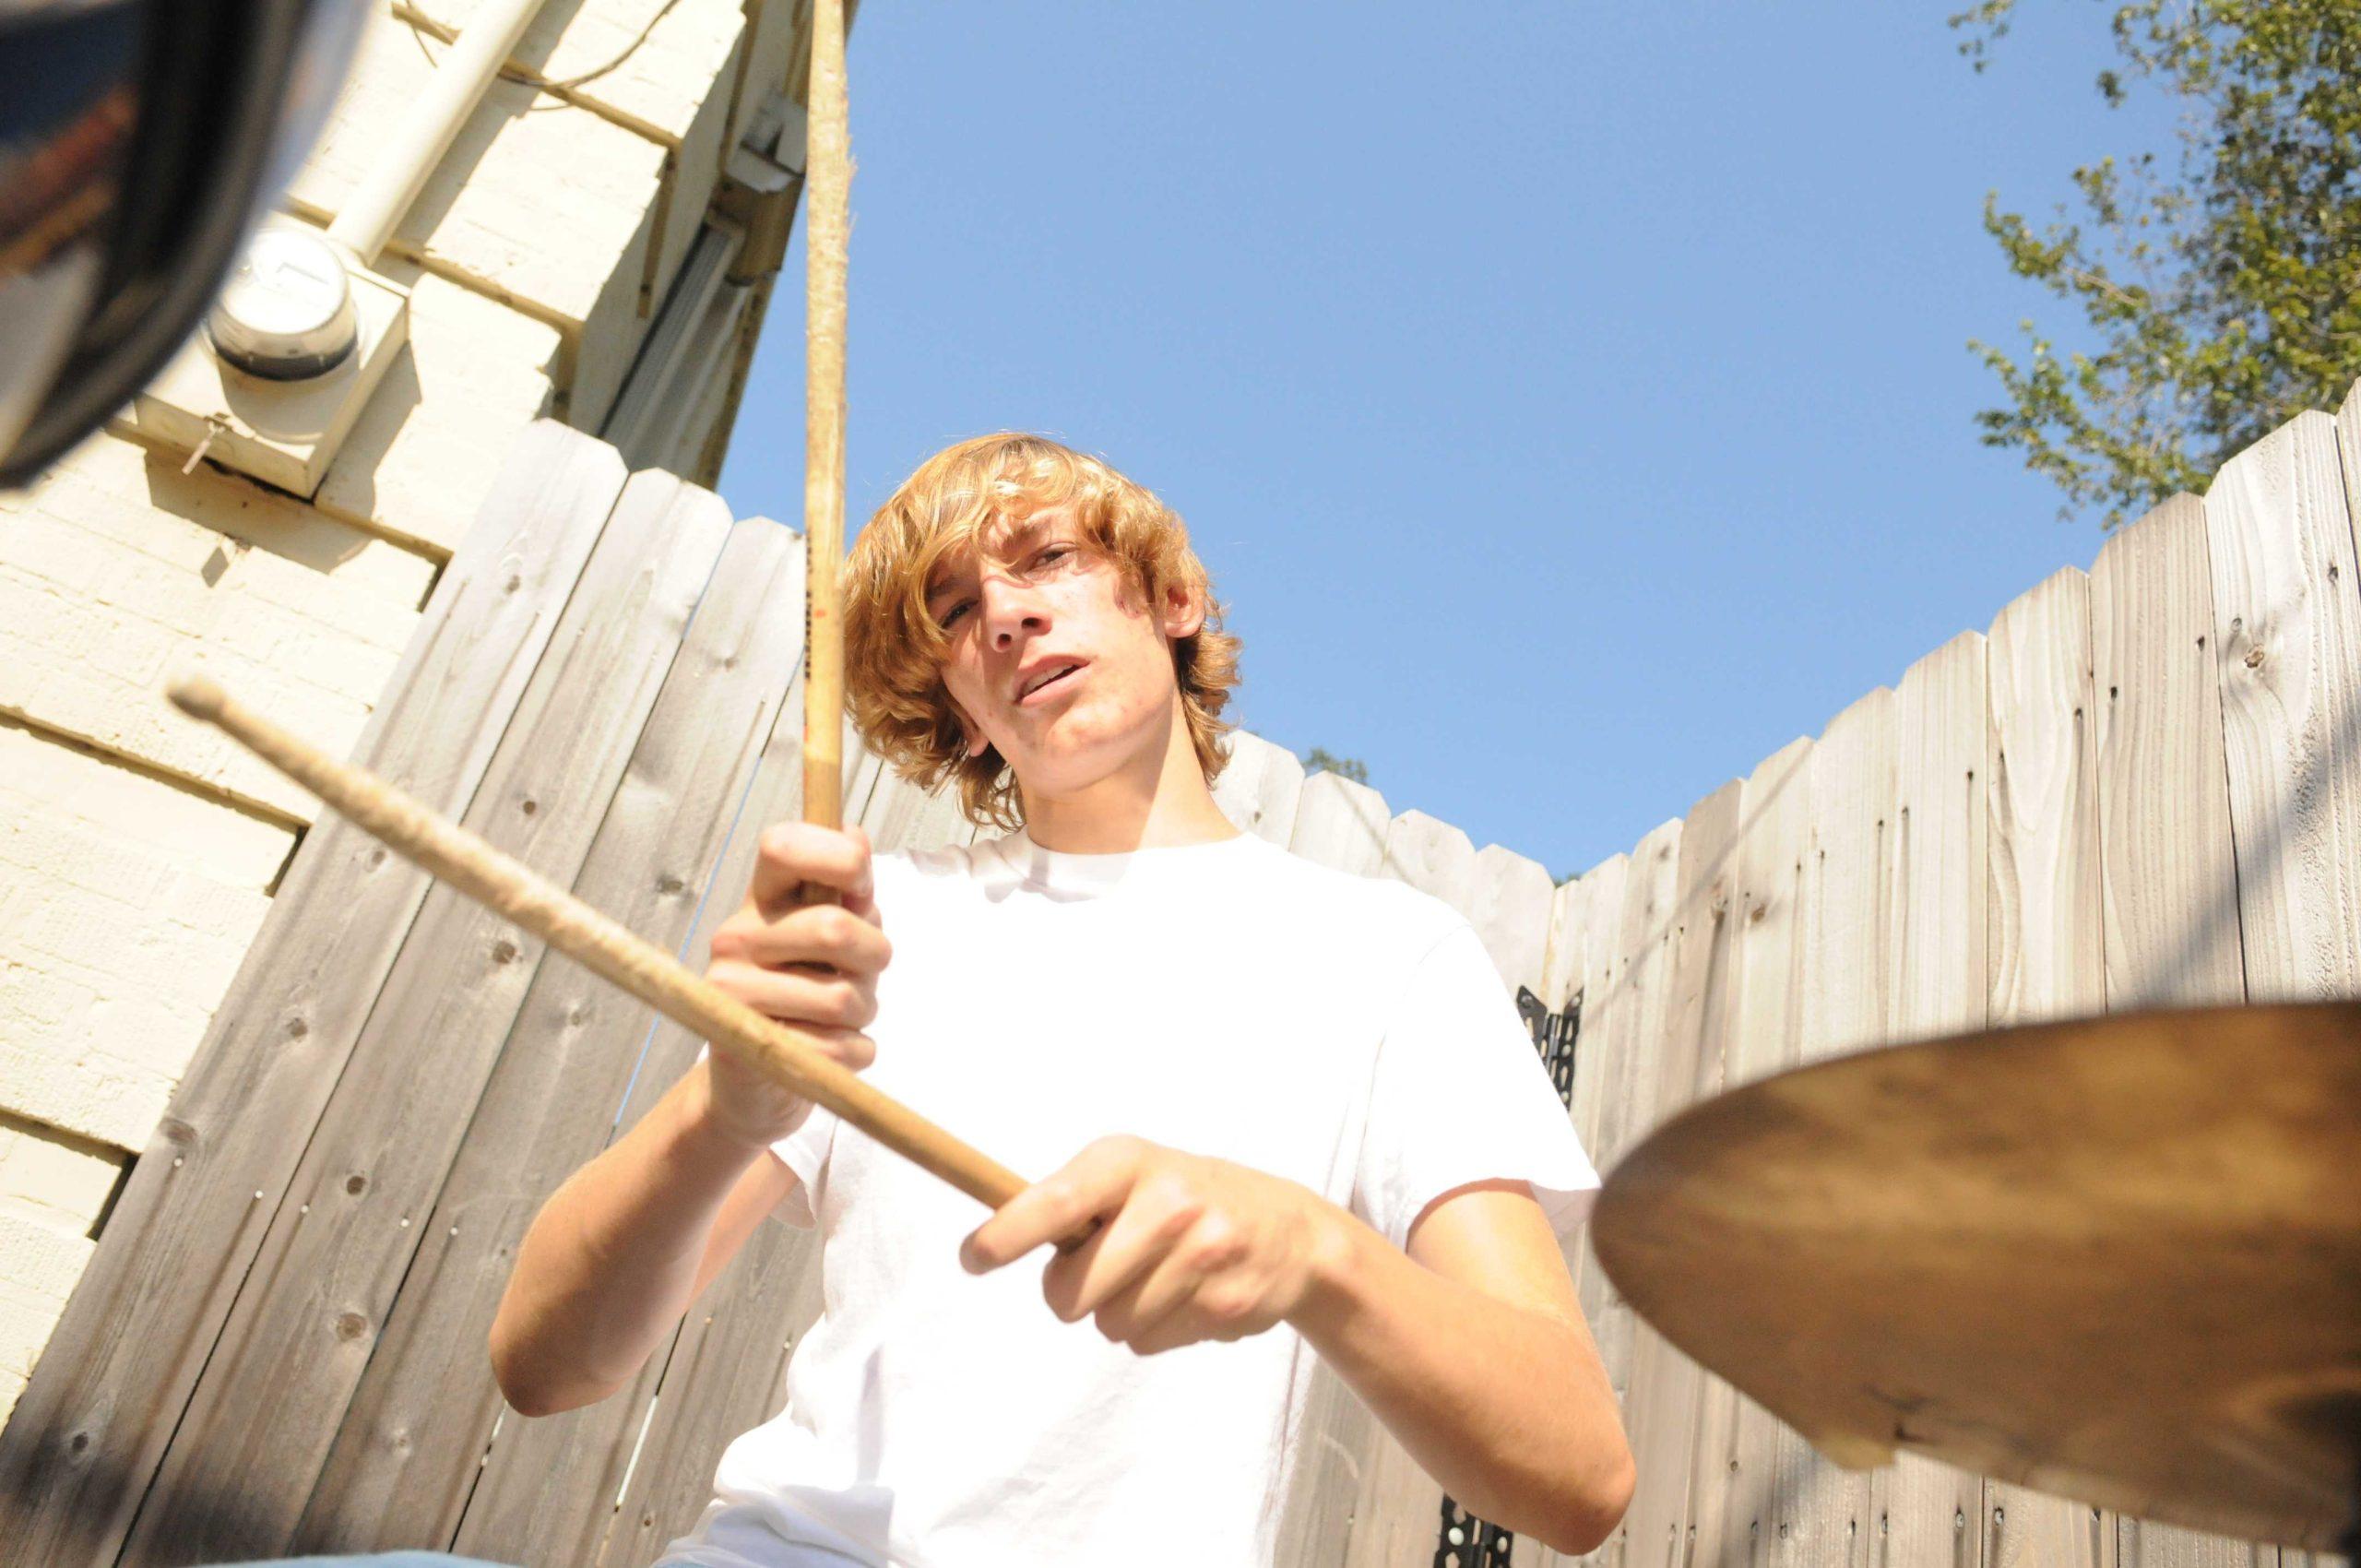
x: 761, y: 181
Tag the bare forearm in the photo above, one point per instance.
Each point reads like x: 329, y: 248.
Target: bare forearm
x: 613, y: 1259
x: 1507, y: 1406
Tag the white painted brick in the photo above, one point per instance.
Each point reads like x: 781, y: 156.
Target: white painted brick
x: 659, y: 83
x: 126, y: 906
x: 42, y: 1262
x: 39, y: 1265
x: 49, y: 540
x: 54, y: 1179
x: 118, y: 489
x: 424, y: 452
x: 96, y: 1095
x: 48, y: 787
x: 12, y: 1388
x: 538, y: 200
x: 92, y: 668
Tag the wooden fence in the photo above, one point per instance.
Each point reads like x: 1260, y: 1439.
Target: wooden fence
x: 2142, y: 787
x: 2139, y: 786
x: 280, y: 1344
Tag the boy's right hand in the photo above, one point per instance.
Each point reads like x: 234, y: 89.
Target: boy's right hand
x: 812, y: 966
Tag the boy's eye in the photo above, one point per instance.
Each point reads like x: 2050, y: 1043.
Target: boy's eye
x: 952, y: 614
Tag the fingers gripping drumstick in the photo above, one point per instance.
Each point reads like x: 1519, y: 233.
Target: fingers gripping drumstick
x: 515, y: 891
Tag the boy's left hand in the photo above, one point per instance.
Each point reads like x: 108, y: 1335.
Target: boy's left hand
x: 1189, y: 1248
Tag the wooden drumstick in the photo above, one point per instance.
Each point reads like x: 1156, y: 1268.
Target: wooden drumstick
x: 515, y: 892
x: 827, y: 207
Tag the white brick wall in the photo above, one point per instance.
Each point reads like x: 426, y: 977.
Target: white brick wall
x: 419, y: 459
x: 659, y: 84
x: 126, y: 905
x: 102, y: 593
x: 137, y: 850
x: 38, y: 1268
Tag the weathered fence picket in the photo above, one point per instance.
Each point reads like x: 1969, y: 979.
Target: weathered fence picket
x: 94, y: 1423
x: 2044, y: 948
x: 402, y: 1470
x: 282, y: 1377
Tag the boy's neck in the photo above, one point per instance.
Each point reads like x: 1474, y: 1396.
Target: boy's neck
x: 1159, y: 800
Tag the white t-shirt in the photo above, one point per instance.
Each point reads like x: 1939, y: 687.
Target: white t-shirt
x: 1228, y: 999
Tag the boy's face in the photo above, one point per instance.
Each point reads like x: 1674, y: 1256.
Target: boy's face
x: 1054, y: 660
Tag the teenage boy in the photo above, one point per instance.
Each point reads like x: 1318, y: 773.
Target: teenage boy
x: 1334, y: 1136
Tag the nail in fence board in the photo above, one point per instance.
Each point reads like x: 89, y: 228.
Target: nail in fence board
x: 540, y: 1500
x: 409, y: 1452
x: 1663, y: 1409
x: 1738, y: 1441
x: 1628, y: 1044
x: 1928, y: 1512
x: 1561, y: 984
x: 2287, y: 641
x: 266, y: 1410
x: 1602, y: 911
x: 2169, y: 885
x: 91, y: 1428
x: 1822, y: 1515
x: 2044, y: 947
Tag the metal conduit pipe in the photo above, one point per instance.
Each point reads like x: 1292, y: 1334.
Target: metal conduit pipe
x: 377, y: 204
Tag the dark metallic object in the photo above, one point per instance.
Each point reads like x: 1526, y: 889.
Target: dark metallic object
x: 138, y: 140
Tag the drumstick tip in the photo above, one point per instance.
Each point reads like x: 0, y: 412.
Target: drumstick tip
x: 199, y: 696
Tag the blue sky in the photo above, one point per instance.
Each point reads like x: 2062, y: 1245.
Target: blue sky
x: 1571, y: 401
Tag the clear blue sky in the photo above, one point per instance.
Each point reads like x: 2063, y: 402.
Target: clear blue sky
x: 1571, y: 402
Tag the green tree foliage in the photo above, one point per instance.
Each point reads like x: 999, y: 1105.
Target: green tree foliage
x: 1353, y: 769
x: 2223, y: 283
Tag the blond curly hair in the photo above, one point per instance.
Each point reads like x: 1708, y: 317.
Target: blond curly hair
x: 894, y: 649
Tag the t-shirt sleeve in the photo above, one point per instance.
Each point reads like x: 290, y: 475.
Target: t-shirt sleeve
x: 803, y: 1151
x: 1458, y: 1096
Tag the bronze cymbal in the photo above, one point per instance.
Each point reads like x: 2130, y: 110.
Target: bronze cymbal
x: 2117, y: 1259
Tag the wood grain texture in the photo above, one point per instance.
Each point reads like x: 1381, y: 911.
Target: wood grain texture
x: 1260, y: 787
x: 90, y: 1430
x: 1399, y: 1508
x: 1929, y: 1513
x: 1587, y: 958
x: 1434, y: 857
x: 1561, y: 971
x: 1339, y: 823
x: 411, y: 1448
x: 2169, y: 884
x: 1850, y: 955
x: 2287, y: 642
x: 265, y: 1411
x: 1733, y: 1501
x: 1663, y: 1411
x: 2044, y: 946
x: 1562, y: 985
x: 548, y: 1486
x: 1602, y: 911
x: 1511, y: 913
x: 1632, y: 1041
